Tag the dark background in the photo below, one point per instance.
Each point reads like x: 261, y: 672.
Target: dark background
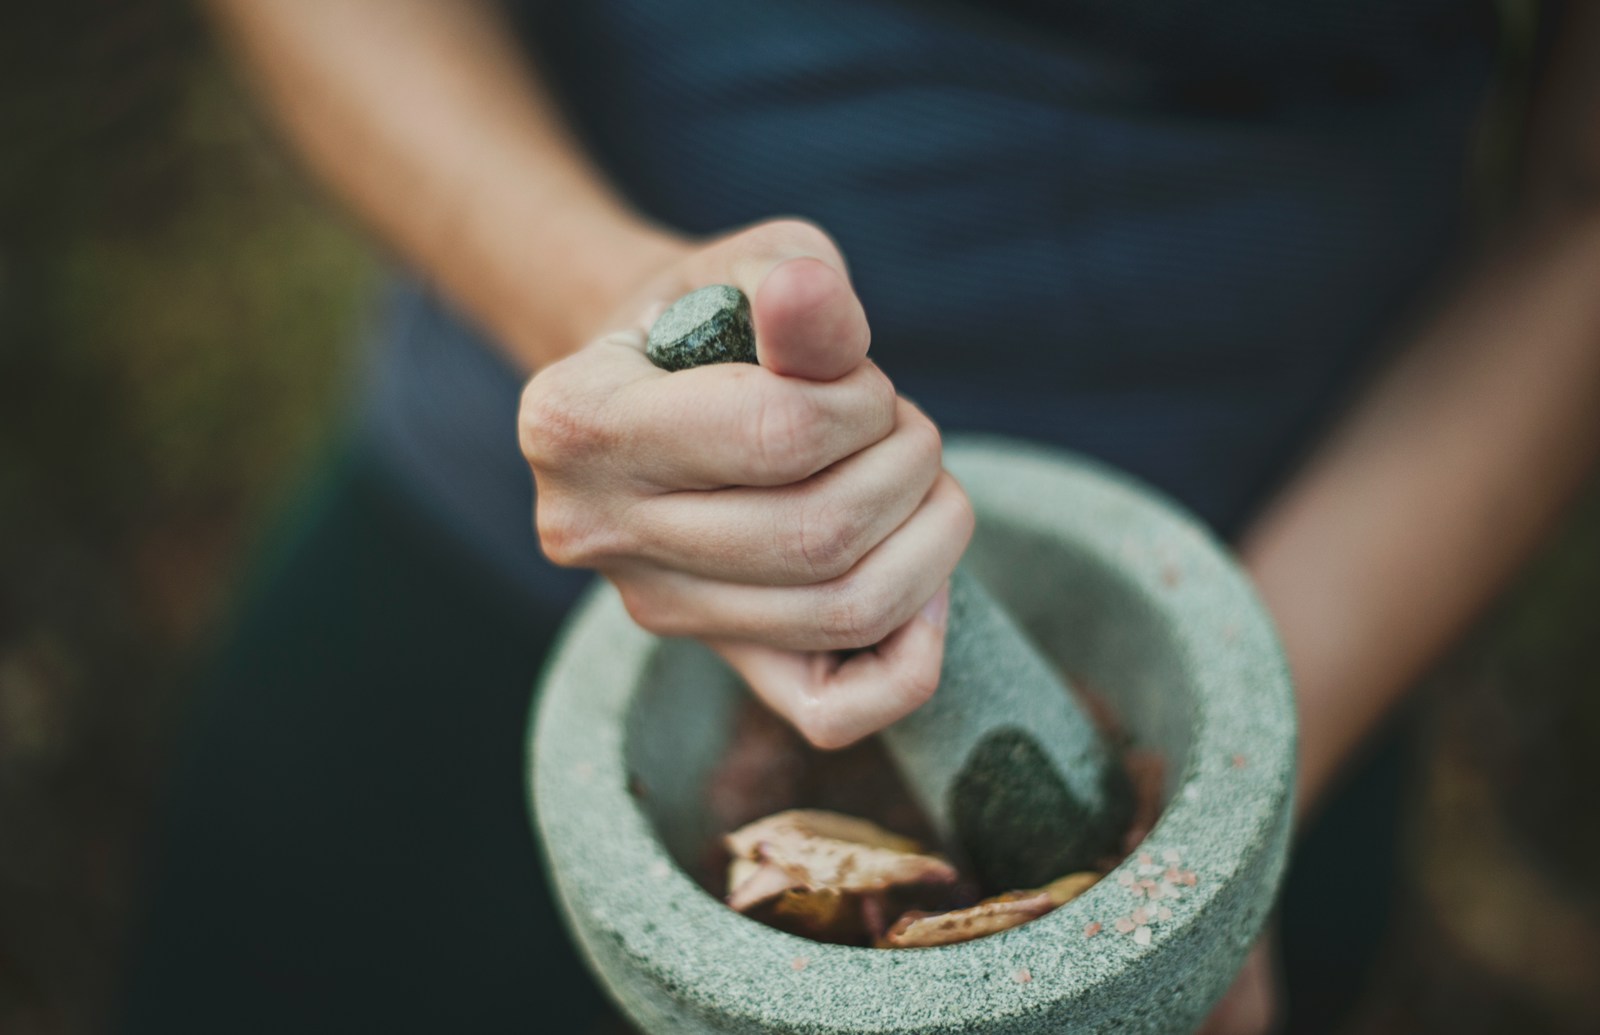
x: 179, y: 316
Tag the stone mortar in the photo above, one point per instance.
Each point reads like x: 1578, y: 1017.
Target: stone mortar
x: 1118, y: 588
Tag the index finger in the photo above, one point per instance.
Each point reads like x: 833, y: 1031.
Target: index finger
x: 738, y: 424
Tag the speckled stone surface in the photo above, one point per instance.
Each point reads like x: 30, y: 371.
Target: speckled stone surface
x: 1003, y: 759
x: 711, y: 325
x: 1117, y: 588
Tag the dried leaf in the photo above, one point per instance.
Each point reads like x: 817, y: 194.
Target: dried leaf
x: 825, y: 875
x: 824, y: 850
x: 874, y: 915
x: 741, y: 870
x: 917, y: 930
x: 1064, y: 889
x: 818, y: 823
x: 751, y: 883
x: 823, y: 914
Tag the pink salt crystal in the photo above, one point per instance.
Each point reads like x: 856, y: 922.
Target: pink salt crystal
x: 1171, y: 858
x: 799, y: 963
x: 1091, y: 929
x: 1022, y: 976
x: 1172, y: 876
x: 1145, y: 860
x: 1163, y: 913
x: 1125, y: 879
x: 1239, y: 761
x: 1124, y: 925
x: 1140, y: 916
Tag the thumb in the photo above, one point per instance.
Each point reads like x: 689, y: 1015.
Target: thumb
x: 807, y: 318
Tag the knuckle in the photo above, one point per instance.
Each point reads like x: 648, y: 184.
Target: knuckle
x: 555, y: 423
x: 802, y: 235
x: 855, y: 614
x: 572, y: 539
x: 964, y: 518
x: 784, y: 435
x: 825, y: 544
x: 559, y: 537
x: 926, y: 442
x: 645, y: 608
x: 881, y: 395
x: 917, y: 687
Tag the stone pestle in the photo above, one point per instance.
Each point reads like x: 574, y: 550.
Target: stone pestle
x: 1004, y: 759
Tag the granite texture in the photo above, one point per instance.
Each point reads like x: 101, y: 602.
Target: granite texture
x: 711, y: 325
x: 1003, y: 759
x: 1117, y: 588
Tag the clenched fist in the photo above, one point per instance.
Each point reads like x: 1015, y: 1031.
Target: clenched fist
x: 795, y: 516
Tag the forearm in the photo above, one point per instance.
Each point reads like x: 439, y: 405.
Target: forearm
x: 1434, y: 489
x: 422, y: 116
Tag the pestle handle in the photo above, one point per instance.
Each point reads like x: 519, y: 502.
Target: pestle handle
x: 1003, y: 758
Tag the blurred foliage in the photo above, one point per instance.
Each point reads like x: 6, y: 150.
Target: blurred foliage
x: 1531, y: 707
x: 176, y: 313
x: 1499, y: 929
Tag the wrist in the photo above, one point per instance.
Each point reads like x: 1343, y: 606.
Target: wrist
x: 1338, y: 693
x: 571, y: 279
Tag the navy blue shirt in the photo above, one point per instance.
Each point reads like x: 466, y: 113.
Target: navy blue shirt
x: 1166, y: 233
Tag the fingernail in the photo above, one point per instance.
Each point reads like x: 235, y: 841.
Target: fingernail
x: 937, y: 611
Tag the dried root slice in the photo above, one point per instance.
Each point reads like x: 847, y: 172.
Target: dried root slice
x: 918, y: 930
x: 1064, y: 889
x: 831, y: 877
x: 826, y: 915
x: 816, y: 823
x: 751, y: 883
x: 820, y: 850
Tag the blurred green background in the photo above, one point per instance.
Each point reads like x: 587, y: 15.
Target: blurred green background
x: 178, y: 316
x: 179, y: 322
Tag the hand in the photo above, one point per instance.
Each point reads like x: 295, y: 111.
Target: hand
x: 1253, y: 1006
x: 784, y: 514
